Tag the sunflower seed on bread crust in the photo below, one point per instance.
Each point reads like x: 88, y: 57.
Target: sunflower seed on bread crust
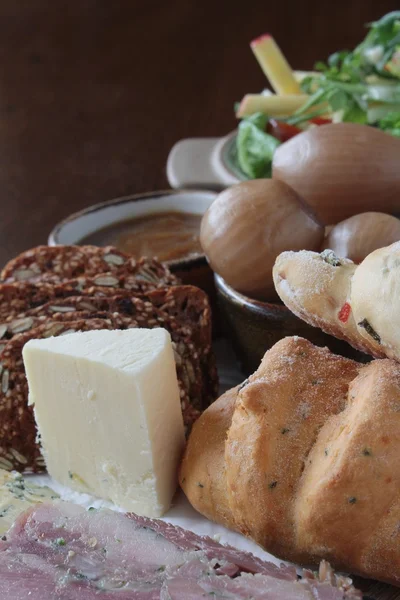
x: 57, y: 264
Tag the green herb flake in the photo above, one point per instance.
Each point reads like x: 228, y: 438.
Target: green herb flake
x: 200, y: 485
x: 3, y: 538
x: 161, y: 569
x: 272, y: 485
x: 330, y: 257
x: 326, y: 451
x: 118, y: 540
x: 60, y: 541
x: 370, y: 330
x: 367, y: 452
x: 284, y: 430
x: 352, y: 500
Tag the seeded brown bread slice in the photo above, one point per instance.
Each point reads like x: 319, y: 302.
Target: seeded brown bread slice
x: 57, y: 264
x: 18, y: 445
x: 19, y: 297
x: 183, y: 310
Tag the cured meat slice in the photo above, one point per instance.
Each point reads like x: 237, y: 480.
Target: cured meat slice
x: 64, y: 552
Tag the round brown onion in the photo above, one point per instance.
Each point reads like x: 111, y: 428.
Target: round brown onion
x: 342, y: 170
x: 248, y: 225
x: 360, y: 235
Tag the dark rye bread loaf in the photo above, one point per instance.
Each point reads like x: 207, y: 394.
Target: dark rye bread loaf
x: 184, y: 311
x: 57, y: 264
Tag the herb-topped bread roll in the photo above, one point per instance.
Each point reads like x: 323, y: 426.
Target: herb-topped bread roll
x: 304, y: 459
x: 358, y: 304
x: 318, y: 289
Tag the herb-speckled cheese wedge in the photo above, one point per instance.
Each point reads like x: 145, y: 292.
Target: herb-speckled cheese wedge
x: 16, y: 495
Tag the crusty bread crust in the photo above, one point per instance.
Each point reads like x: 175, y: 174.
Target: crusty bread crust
x: 287, y: 400
x: 203, y: 467
x: 347, y: 503
x: 303, y: 459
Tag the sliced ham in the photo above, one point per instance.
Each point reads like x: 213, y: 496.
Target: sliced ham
x: 64, y: 552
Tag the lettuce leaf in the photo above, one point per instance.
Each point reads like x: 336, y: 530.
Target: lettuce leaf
x: 255, y: 147
x: 391, y: 124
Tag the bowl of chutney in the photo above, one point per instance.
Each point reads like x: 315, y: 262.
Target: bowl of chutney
x: 162, y: 224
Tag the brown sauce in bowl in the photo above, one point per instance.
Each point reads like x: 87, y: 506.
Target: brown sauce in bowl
x: 168, y: 236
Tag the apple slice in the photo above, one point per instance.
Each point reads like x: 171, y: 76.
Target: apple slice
x: 273, y: 106
x: 275, y: 65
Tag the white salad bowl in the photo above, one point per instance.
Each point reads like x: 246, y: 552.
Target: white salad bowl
x: 204, y: 162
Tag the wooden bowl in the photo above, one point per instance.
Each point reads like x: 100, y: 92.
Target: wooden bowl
x: 253, y: 327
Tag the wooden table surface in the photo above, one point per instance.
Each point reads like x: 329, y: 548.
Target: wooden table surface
x: 93, y: 94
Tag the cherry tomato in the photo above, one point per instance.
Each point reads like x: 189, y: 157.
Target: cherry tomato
x: 281, y: 131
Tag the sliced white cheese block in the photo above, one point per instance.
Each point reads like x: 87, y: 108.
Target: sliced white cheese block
x: 108, y: 411
x: 16, y: 495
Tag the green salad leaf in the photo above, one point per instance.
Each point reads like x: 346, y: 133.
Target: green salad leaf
x: 391, y: 124
x: 362, y: 85
x: 255, y: 147
x: 378, y: 54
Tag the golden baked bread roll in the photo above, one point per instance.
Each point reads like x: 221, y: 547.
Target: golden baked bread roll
x: 307, y: 459
x: 277, y: 414
x: 318, y: 288
x: 206, y: 474
x: 347, y: 501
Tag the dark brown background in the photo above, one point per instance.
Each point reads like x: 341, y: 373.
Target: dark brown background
x: 93, y: 94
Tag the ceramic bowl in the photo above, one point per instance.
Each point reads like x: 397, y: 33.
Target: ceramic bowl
x: 192, y: 270
x: 204, y: 162
x: 253, y: 327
